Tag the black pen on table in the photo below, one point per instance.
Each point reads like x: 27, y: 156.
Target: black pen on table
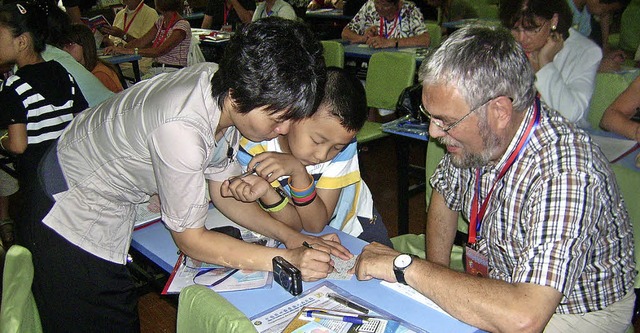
x: 348, y: 303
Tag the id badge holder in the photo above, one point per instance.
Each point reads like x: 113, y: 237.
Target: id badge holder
x: 227, y: 28
x: 476, y: 263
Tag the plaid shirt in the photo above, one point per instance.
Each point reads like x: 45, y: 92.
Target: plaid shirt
x: 555, y: 219
x: 409, y: 24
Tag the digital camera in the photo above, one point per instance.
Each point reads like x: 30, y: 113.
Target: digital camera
x: 287, y: 275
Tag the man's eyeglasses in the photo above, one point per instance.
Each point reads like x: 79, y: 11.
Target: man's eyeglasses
x: 447, y: 128
x: 529, y: 32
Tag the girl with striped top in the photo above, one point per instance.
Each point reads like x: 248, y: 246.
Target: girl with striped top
x: 38, y: 102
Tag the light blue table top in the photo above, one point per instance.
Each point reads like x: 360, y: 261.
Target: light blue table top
x: 155, y: 242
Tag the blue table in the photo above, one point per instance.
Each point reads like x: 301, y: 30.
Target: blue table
x: 155, y: 242
x: 364, y: 52
x: 122, y: 58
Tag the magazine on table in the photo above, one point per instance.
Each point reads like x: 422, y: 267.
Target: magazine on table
x: 330, y: 309
x: 188, y: 271
x: 96, y: 22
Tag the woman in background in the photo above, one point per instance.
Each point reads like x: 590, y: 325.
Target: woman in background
x: 564, y: 60
x: 167, y: 42
x: 82, y: 47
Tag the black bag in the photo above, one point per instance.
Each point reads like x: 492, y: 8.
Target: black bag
x: 409, y: 103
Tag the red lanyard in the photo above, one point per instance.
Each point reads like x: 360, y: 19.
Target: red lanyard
x: 135, y: 13
x: 165, y: 31
x: 227, y: 9
x: 477, y: 215
x: 383, y: 26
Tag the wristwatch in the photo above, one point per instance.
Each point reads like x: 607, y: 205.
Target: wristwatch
x: 400, y: 263
x: 124, y: 37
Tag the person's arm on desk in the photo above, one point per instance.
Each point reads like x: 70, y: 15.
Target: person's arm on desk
x: 489, y: 304
x: 355, y: 38
x: 442, y: 224
x: 617, y: 117
x: 379, y: 42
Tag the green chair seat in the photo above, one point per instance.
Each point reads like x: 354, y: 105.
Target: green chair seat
x: 19, y: 313
x: 608, y: 87
x: 369, y: 132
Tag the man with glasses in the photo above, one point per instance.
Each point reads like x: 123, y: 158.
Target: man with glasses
x: 550, y: 243
x: 387, y: 24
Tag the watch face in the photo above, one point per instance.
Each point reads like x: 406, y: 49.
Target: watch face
x: 402, y: 261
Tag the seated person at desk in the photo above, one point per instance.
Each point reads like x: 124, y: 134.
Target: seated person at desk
x: 623, y: 116
x: 556, y: 236
x: 82, y: 47
x: 387, y: 23
x: 131, y: 22
x: 228, y: 15
x: 59, y: 24
x: 317, y: 4
x: 565, y: 61
x: 316, y: 164
x: 172, y: 135
x: 167, y: 42
x: 279, y: 8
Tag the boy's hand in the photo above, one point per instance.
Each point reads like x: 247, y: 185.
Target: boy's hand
x: 275, y: 165
x: 329, y: 243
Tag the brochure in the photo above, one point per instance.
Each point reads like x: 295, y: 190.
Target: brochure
x: 95, y: 22
x: 333, y: 300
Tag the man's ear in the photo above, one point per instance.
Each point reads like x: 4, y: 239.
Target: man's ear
x: 502, y: 111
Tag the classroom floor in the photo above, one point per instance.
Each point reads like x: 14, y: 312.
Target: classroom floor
x: 158, y: 313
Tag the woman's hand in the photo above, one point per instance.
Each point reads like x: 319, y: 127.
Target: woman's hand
x: 380, y: 42
x: 111, y: 30
x: 117, y: 50
x: 546, y: 54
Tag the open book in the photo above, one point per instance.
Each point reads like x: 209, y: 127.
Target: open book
x: 95, y: 22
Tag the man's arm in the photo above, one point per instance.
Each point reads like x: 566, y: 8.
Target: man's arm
x: 244, y: 14
x: 489, y: 304
x: 441, y: 229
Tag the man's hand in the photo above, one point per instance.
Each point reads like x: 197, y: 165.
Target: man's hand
x: 245, y: 189
x: 378, y: 42
x: 376, y: 261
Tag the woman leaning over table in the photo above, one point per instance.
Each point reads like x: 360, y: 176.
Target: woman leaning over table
x: 564, y: 60
x: 387, y: 23
x: 167, y: 42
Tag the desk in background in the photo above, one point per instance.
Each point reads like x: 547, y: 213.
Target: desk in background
x: 122, y: 58
x: 403, y: 139
x: 357, y: 54
x: 212, y: 47
x: 155, y: 242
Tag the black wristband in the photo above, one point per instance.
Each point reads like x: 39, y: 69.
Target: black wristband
x: 282, y: 198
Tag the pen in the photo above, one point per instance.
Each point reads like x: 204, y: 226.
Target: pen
x: 244, y: 174
x: 348, y: 303
x: 347, y: 319
x: 305, y: 244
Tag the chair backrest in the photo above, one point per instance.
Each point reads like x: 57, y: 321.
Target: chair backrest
x: 388, y: 74
x: 195, y: 55
x: 629, y: 182
x: 201, y: 309
x: 333, y: 52
x: 608, y: 87
x: 19, y: 313
x: 435, y: 33
x: 630, y: 27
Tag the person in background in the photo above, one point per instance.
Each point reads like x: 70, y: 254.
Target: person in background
x: 82, y: 47
x: 565, y: 61
x: 623, y: 116
x: 228, y: 15
x: 130, y: 23
x: 174, y: 135
x: 167, y: 42
x: 453, y: 10
x: 386, y: 24
x: 317, y: 4
x: 278, y: 8
x: 583, y: 12
x: 550, y: 241
x: 8, y: 185
x: 38, y: 102
x: 59, y: 24
x: 320, y: 156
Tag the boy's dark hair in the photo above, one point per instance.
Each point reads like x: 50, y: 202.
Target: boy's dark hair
x: 512, y: 11
x: 345, y: 98
x: 21, y: 17
x: 275, y: 63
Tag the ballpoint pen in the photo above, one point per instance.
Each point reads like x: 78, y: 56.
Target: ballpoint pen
x: 244, y: 174
x: 347, y: 319
x: 348, y: 303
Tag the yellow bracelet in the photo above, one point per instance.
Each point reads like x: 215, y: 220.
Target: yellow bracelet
x: 280, y: 206
x: 5, y: 136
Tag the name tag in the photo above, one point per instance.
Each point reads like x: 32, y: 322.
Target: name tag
x: 476, y: 263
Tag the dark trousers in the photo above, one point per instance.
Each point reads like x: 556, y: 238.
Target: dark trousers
x: 374, y: 230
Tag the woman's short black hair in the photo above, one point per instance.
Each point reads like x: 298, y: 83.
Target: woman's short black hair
x: 275, y: 63
x: 512, y: 11
x: 22, y: 17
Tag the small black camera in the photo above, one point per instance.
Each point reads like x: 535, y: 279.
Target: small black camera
x: 287, y: 275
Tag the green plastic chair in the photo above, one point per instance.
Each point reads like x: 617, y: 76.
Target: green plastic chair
x: 19, y: 313
x: 629, y: 183
x: 608, y: 87
x: 333, y: 53
x: 201, y: 309
x: 388, y: 74
x: 435, y: 33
